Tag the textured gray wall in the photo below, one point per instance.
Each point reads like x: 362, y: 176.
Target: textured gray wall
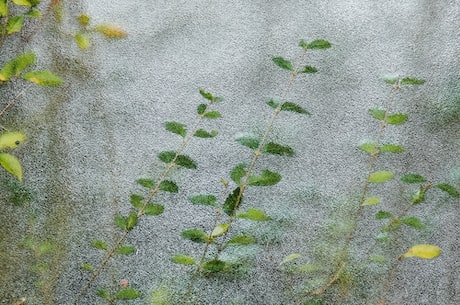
x: 92, y: 137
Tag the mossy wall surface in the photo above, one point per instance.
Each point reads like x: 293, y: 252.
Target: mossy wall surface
x: 92, y: 137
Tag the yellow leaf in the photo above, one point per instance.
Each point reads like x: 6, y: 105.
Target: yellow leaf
x: 11, y: 139
x: 11, y: 164
x: 220, y: 230
x: 83, y: 41
x: 111, y: 31
x: 423, y: 251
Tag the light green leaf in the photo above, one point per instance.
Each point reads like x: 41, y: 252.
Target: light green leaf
x: 204, y: 199
x: 99, y: 244
x: 308, y: 69
x: 370, y: 148
x: 125, y: 250
x: 183, y: 259
x: 3, y: 8
x: 22, y: 2
x: 423, y: 251
x: 11, y: 139
x: 215, y: 265
x: 380, y: 176
x: 120, y: 221
x: 14, y: 24
x: 413, y: 178
x: 380, y: 259
x: 87, y: 267
x: 154, y: 209
x: 238, y: 172
x: 136, y: 201
x: 213, y: 114
x: 391, y: 80
x: 419, y: 196
x: 169, y: 186
x: 12, y: 165
x: 253, y: 214
x: 397, y: 119
x: 131, y: 221
x: 267, y: 178
x: 371, y: 201
x: 127, y: 294
x: 411, y: 81
x: 278, y: 149
x: 201, y: 133
x: 250, y: 142
x: 449, y: 189
x: 176, y: 127
x: 291, y: 257
x: 283, y: 63
x: 103, y: 294
x: 195, y: 235
x: 392, y: 148
x: 43, y: 78
x: 161, y: 296
x: 242, y: 240
x: 146, y: 182
x: 33, y: 13
x: 288, y: 106
x: 232, y: 202
x: 378, y: 114
x: 83, y: 40
x: 16, y: 65
x: 413, y: 221
x: 220, y: 230
x: 319, y: 44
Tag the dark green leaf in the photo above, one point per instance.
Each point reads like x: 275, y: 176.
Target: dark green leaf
x: 411, y: 81
x: 413, y: 178
x: 183, y: 259
x: 449, y: 189
x: 125, y: 250
x: 201, y: 133
x: 253, y: 214
x: 283, y: 63
x: 370, y: 148
x: 153, y: 209
x: 43, y: 78
x: 136, y: 201
x: 176, y: 127
x: 379, y: 114
x: 207, y: 95
x: 397, y: 119
x: 120, y: 221
x: 383, y: 215
x: 288, y: 106
x: 127, y: 294
x: 303, y: 44
x: 213, y: 114
x: 215, y: 265
x: 241, y: 240
x: 413, y: 222
x: 204, y: 199
x: 167, y: 156
x: 195, y: 235
x: 278, y: 149
x: 308, y: 69
x: 16, y: 65
x: 145, y: 182
x: 99, y: 244
x: 319, y: 44
x: 169, y: 186
x: 272, y: 103
x: 250, y: 142
x: 232, y: 202
x: 392, y: 148
x: 14, y: 24
x: 131, y: 221
x: 201, y: 109
x: 185, y: 161
x: 238, y: 172
x: 267, y: 178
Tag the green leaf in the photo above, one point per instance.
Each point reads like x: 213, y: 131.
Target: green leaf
x: 370, y: 148
x: 87, y: 267
x: 380, y: 259
x: 204, y: 199
x: 11, y: 139
x: 120, y: 221
x: 423, y: 251
x: 383, y: 215
x: 419, y: 196
x: 146, y: 182
x: 380, y: 176
x: 232, y: 202
x: 242, y: 240
x: 411, y: 81
x: 220, y: 230
x: 154, y: 209
x: 253, y: 214
x: 397, y: 119
x: 83, y: 40
x: 182, y: 160
x: 413, y: 178
x: 176, y: 127
x: 215, y: 265
x: 12, y: 165
x: 213, y: 114
x: 131, y: 221
x: 43, y: 78
x: 291, y: 257
x: 278, y: 149
x: 125, y: 250
x: 207, y: 95
x: 283, y: 63
x: 99, y: 244
x: 201, y: 133
x: 308, y: 69
x: 238, y: 172
x: 84, y: 20
x: 169, y: 186
x: 201, y: 108
x: 14, y: 24
x: 22, y: 2
x: 195, y: 235
x: 378, y: 114
x: 250, y: 142
x: 303, y: 44
x: 272, y: 104
x: 288, y: 106
x: 3, y: 8
x: 267, y: 178
x: 392, y: 148
x: 319, y: 44
x: 449, y: 189
x: 127, y: 294
x: 103, y: 293
x: 161, y: 296
x: 183, y: 259
x: 16, y: 65
x: 391, y: 80
x: 412, y: 221
x: 136, y: 201
x: 371, y: 201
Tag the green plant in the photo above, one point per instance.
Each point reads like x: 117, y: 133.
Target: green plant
x: 243, y: 176
x: 144, y: 205
x: 342, y: 255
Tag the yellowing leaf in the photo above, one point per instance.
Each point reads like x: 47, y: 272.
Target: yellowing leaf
x: 371, y: 201
x: 11, y: 139
x: 11, y: 164
x: 43, y: 78
x: 291, y: 257
x: 423, y: 251
x: 84, y: 19
x: 220, y: 230
x: 111, y: 31
x: 83, y: 41
x: 22, y: 2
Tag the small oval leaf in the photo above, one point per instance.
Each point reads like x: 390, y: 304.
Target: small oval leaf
x: 289, y: 106
x: 12, y: 165
x: 195, y: 235
x: 154, y: 209
x: 11, y: 139
x: 169, y: 186
x: 397, y: 119
x: 253, y: 214
x: 371, y: 201
x: 378, y: 114
x: 267, y: 178
x: 43, y: 78
x: 283, y: 63
x: 424, y: 251
x: 449, y: 189
x: 125, y: 250
x: 176, y: 127
x: 220, y: 230
x: 183, y: 259
x: 204, y: 199
x: 413, y: 178
x: 380, y: 176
